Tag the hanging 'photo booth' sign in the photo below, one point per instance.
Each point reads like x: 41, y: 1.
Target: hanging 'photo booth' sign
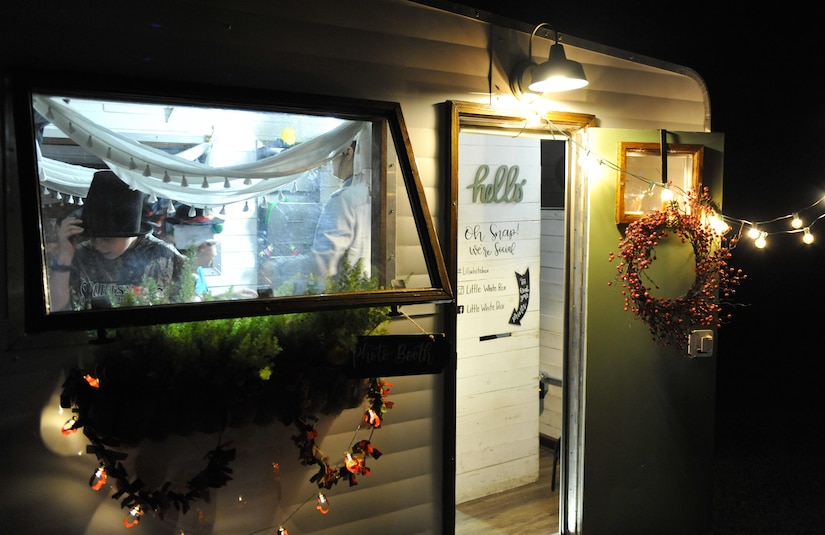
x: 394, y: 355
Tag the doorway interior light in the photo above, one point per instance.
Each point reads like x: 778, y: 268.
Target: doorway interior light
x: 556, y: 74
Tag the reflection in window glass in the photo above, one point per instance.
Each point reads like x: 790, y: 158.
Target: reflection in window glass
x: 140, y: 200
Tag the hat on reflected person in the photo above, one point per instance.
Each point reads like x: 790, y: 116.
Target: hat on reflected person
x: 112, y: 209
x: 189, y: 215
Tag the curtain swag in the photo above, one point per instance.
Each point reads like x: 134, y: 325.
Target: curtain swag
x: 177, y: 176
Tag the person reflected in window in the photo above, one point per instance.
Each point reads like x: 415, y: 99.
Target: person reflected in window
x: 344, y: 226
x: 343, y: 231
x: 110, y: 251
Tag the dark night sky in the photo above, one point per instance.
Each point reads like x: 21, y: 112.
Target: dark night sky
x: 760, y: 69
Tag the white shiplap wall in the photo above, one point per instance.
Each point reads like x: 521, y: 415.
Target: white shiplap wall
x: 497, y: 401
x: 551, y: 336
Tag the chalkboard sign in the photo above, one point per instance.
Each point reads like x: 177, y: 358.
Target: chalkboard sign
x: 392, y: 355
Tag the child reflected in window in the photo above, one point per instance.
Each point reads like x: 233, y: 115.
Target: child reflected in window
x: 109, y: 252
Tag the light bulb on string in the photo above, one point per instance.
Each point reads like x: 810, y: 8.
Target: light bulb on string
x: 753, y: 232
x: 99, y: 478
x: 91, y: 380
x: 350, y: 462
x: 807, y: 237
x: 761, y: 241
x: 133, y: 518
x: 667, y: 193
x: 371, y: 417
x: 323, y: 504
x: 718, y: 225
x: 796, y: 222
x: 711, y: 219
x: 70, y: 426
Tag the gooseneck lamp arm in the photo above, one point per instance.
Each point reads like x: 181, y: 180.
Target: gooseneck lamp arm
x: 533, y: 34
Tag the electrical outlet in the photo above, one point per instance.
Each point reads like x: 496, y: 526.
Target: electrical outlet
x: 700, y: 343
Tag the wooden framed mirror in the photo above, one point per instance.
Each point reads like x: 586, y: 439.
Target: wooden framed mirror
x: 641, y: 170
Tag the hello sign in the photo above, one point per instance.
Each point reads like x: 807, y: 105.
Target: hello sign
x: 505, y: 186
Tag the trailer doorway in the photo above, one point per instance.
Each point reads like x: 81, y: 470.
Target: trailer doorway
x: 510, y: 375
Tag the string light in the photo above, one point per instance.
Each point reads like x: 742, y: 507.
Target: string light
x: 352, y: 464
x: 133, y: 518
x: 99, y: 478
x: 323, y: 504
x: 354, y: 459
x: 92, y: 381
x: 70, y: 427
x: 761, y: 241
x: 371, y: 417
x: 716, y: 223
x: 667, y: 193
x: 754, y: 231
x: 807, y: 237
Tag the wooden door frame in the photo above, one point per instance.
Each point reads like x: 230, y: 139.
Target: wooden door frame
x: 464, y: 116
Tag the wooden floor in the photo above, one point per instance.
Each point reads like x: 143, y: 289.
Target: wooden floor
x: 529, y: 510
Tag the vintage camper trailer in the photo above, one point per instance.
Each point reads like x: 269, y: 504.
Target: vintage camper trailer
x: 494, y: 214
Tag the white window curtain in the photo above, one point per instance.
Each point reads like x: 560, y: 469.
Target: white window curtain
x: 175, y: 177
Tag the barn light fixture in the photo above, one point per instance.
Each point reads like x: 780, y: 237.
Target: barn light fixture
x: 556, y: 74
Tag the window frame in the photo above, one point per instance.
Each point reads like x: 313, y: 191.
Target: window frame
x: 388, y: 124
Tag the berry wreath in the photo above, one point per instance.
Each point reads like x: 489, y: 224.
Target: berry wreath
x: 671, y: 320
